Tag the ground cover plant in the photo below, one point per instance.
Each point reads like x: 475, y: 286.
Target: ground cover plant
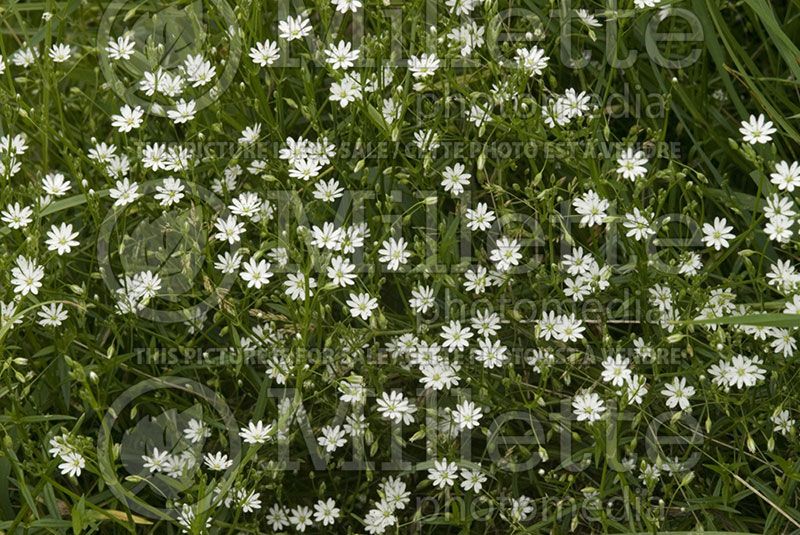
x: 421, y: 266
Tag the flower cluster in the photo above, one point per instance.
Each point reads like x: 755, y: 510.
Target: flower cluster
x: 450, y: 267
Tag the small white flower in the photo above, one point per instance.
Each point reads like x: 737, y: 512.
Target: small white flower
x: 361, y: 305
x: 294, y: 28
x: 588, y: 407
x: 480, y: 218
x: 52, y: 315
x: 183, y: 112
x: 757, y: 130
x: 73, y: 463
x: 26, y: 276
x: 326, y: 512
x: 341, y: 56
x: 678, y: 393
x: 632, y: 164
x: 61, y: 239
x: 443, y: 474
x: 128, y: 119
x: 217, y: 461
x: 264, y: 54
x: 256, y: 273
x: 472, y: 480
x: 455, y: 179
x: 423, y: 66
x: 60, y: 53
x: 467, y: 415
x: 256, y: 433
x: 718, y: 234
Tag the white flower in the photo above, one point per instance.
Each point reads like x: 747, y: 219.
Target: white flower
x: 678, y: 393
x: 492, y: 354
x: 467, y: 415
x: 25, y: 56
x: 16, y: 216
x: 250, y: 134
x: 157, y: 462
x: 332, y: 438
x: 422, y: 299
x: 124, y: 192
x: 393, y: 253
x: 264, y: 54
x: 786, y: 176
x: 456, y: 337
x: 345, y: 91
x: 757, y: 130
x: 327, y: 237
x: 198, y: 71
x: 592, y: 208
x: 480, y: 218
x: 154, y: 157
x: 443, y: 474
x: 343, y: 6
x: 341, y: 56
x: 60, y: 53
x: 777, y: 206
x: 423, y: 66
x: 197, y: 431
x: 278, y: 517
x: 783, y: 342
x: 256, y: 433
x: 455, y: 179
x: 635, y: 389
x: 249, y: 501
x: 301, y: 517
x: 256, y: 273
x: 61, y: 239
x: 632, y: 164
x: 169, y: 192
x: 218, y: 461
x: 472, y: 480
x: 121, y: 48
x: 230, y: 229
x: 305, y: 168
x: 183, y: 112
x: 690, y: 264
x: 328, y: 191
x: 361, y: 305
x: 616, y: 371
x: 638, y: 225
x: 532, y: 60
x: 228, y: 263
x: 779, y: 229
x: 717, y: 235
x: 128, y: 118
x: 745, y: 371
x: 73, y: 463
x: 784, y: 423
x: 326, y: 512
x: 294, y: 28
x: 438, y: 376
x: 247, y: 205
x: 588, y: 407
x: 27, y: 276
x: 587, y: 18
x: 505, y: 254
x: 52, y: 315
x: 341, y: 271
x: 297, y: 286
x: 394, y: 406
